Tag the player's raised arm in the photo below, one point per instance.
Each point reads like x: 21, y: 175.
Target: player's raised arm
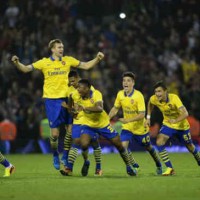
x: 91, y: 63
x: 20, y: 66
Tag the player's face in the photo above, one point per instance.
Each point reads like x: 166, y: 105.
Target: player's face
x: 128, y: 84
x: 83, y: 90
x: 73, y: 81
x: 161, y: 94
x: 58, y: 49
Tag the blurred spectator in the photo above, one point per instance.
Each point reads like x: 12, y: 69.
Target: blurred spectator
x: 8, y: 133
x: 12, y: 13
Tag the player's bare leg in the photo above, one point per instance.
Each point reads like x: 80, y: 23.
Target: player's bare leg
x: 54, y: 146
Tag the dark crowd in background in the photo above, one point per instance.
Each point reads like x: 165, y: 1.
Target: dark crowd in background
x: 158, y: 40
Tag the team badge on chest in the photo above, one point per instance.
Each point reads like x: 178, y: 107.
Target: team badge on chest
x: 63, y: 63
x: 92, y: 101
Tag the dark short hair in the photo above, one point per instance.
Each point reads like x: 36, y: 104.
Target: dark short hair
x: 73, y: 73
x: 160, y: 84
x: 53, y: 42
x: 85, y: 82
x: 129, y: 74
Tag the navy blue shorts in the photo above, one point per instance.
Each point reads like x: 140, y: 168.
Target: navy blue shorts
x: 76, y: 132
x: 56, y: 113
x: 183, y: 135
x: 107, y: 132
x: 143, y: 140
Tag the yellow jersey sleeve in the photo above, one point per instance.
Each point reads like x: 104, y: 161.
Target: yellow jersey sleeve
x: 39, y: 64
x: 177, y: 102
x: 73, y: 61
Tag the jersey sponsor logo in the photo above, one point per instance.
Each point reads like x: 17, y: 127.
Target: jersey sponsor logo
x: 56, y: 73
x: 130, y: 111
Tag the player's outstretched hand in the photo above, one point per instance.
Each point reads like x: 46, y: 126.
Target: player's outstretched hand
x: 15, y: 59
x: 100, y: 56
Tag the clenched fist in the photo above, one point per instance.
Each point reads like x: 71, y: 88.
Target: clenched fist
x: 15, y: 59
x: 100, y: 56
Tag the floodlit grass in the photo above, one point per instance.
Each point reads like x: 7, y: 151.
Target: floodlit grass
x: 36, y: 179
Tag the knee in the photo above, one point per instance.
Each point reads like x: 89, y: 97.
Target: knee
x: 54, y: 132
x: 84, y: 145
x: 53, y: 137
x: 76, y: 141
x: 69, y: 130
x: 160, y: 142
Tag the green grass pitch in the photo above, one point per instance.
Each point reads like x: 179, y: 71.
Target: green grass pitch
x: 36, y: 179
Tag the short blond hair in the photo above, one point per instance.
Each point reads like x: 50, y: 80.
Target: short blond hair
x: 53, y: 42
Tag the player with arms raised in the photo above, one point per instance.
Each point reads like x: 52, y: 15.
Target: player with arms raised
x: 55, y: 70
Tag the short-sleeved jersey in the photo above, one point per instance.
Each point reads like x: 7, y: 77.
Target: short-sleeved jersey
x: 170, y: 110
x: 93, y: 120
x: 131, y: 106
x: 55, y: 75
x: 74, y: 93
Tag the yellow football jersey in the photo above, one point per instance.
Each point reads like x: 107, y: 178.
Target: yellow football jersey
x: 71, y: 90
x: 170, y: 110
x: 93, y: 120
x: 131, y: 106
x: 74, y: 94
x: 55, y: 75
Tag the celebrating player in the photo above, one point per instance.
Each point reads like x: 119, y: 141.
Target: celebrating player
x: 76, y: 132
x: 175, y: 123
x: 95, y: 120
x: 132, y: 103
x: 55, y: 70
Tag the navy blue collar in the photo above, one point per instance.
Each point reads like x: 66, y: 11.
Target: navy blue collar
x: 167, y: 99
x: 91, y: 93
x: 51, y: 57
x: 129, y: 94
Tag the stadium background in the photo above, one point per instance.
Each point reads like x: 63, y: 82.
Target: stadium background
x: 158, y: 39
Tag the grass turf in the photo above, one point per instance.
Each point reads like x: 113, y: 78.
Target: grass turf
x: 36, y: 179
